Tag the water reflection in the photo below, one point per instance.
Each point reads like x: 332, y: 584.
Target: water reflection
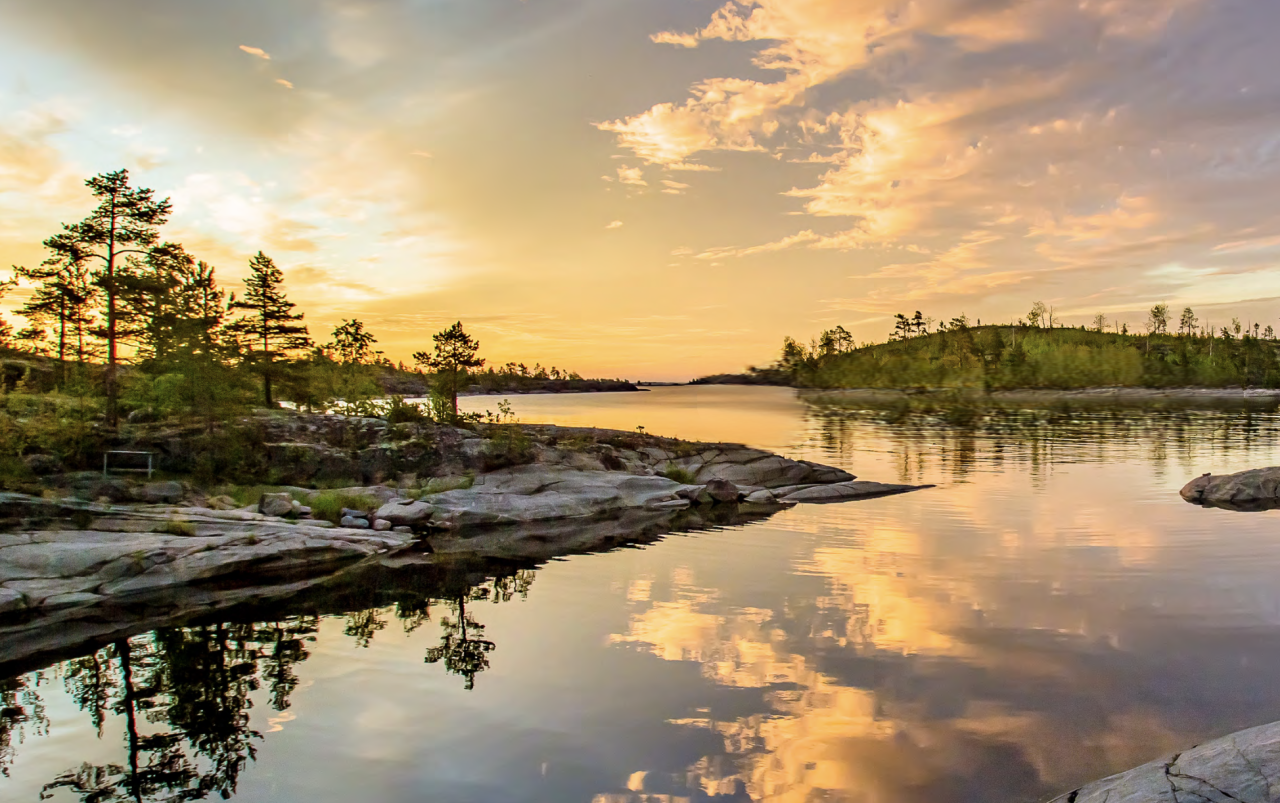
x: 1051, y: 613
x: 182, y: 696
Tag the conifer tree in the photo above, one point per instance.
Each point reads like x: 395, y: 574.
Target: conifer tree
x: 125, y: 223
x: 63, y: 300
x: 454, y: 355
x: 269, y: 328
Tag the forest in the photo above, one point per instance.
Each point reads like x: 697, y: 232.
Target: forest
x: 123, y: 324
x: 1035, y: 352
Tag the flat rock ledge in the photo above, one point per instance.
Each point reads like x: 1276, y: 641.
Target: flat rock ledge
x: 1255, y: 489
x: 124, y: 552
x: 62, y: 553
x: 1243, y: 767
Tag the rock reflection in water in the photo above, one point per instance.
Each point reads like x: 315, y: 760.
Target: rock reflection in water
x: 182, y: 692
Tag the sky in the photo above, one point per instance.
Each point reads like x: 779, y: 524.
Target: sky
x: 659, y: 189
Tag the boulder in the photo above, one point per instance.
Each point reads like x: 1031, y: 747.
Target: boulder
x: 381, y: 525
x: 406, y: 513
x: 1256, y: 488
x: 722, y: 490
x: 279, y: 504
x: 351, y: 522
x: 1237, y: 767
x: 157, y: 492
x: 762, y: 497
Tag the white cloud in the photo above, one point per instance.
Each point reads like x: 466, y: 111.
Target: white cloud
x: 617, y: 224
x: 632, y: 175
x: 256, y: 51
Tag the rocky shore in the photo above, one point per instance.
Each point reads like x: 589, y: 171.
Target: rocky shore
x: 1242, y: 767
x: 88, y: 543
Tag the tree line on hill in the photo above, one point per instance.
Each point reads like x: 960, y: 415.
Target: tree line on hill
x: 142, y: 324
x: 1034, y: 352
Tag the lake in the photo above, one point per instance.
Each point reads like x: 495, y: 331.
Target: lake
x: 1050, y: 613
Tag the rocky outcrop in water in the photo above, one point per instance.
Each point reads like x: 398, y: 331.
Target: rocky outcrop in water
x: 123, y: 551
x: 1255, y: 489
x: 1243, y: 767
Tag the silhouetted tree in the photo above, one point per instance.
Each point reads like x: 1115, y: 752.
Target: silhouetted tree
x: 125, y: 222
x: 269, y: 329
x: 454, y: 355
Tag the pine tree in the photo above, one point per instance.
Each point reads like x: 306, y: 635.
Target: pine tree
x: 454, y: 355
x: 124, y: 223
x: 63, y: 300
x: 268, y: 331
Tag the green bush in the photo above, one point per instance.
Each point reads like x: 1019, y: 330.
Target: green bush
x: 328, y: 505
x: 680, y: 475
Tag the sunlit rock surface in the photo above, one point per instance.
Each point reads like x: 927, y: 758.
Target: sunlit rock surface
x: 1243, y: 767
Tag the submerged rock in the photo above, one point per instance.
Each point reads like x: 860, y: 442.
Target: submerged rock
x: 844, y: 491
x: 1238, y: 767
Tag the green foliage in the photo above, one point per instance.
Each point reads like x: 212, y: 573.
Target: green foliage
x: 453, y: 357
x: 269, y: 330
x: 1005, y: 357
x: 680, y: 475
x: 175, y: 527
x: 328, y: 505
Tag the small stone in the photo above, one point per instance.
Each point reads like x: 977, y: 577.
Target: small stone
x: 382, y: 525
x: 304, y: 510
x: 402, y: 529
x: 763, y: 497
x: 353, y: 523
x: 297, y: 507
x: 355, y: 514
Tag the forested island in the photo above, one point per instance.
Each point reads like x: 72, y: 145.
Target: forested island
x: 1034, y: 353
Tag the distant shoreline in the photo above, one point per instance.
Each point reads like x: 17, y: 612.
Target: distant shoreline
x: 1097, y: 394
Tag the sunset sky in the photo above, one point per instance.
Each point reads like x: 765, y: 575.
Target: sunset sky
x: 657, y: 189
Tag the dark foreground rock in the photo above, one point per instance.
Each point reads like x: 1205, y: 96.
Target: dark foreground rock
x: 1255, y: 489
x: 1242, y: 767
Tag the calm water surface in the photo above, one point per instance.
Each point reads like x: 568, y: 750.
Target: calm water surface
x: 1050, y: 613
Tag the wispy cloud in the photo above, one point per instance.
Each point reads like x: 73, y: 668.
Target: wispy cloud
x: 617, y: 224
x: 632, y: 175
x: 256, y: 51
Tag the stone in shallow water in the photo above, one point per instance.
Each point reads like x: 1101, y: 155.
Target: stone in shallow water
x: 1255, y: 488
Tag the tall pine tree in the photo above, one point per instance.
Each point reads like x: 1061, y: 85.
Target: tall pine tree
x: 125, y: 223
x: 269, y: 329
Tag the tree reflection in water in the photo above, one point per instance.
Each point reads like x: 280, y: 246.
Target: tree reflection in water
x: 184, y: 695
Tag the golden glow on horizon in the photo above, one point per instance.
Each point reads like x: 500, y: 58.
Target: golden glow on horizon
x: 813, y: 162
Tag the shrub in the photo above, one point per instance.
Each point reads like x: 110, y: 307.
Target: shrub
x: 184, y: 528
x: 680, y: 475
x: 328, y: 505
